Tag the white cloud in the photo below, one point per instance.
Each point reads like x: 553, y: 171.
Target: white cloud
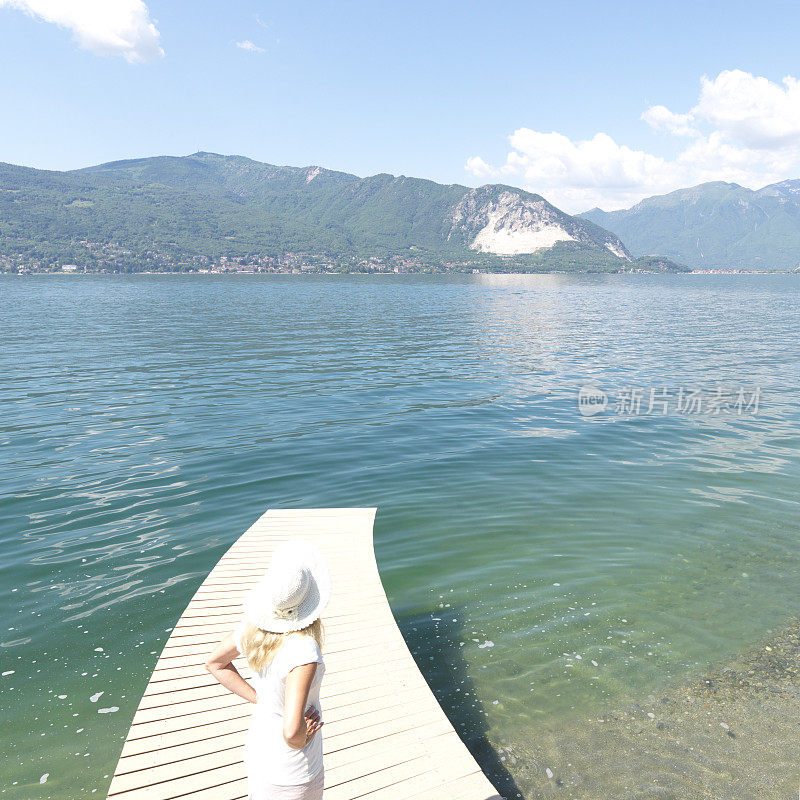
x: 743, y: 128
x: 106, y: 27
x: 660, y: 118
x: 479, y: 168
x: 246, y: 44
x: 751, y: 110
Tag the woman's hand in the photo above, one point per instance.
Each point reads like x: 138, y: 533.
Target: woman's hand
x: 313, y: 722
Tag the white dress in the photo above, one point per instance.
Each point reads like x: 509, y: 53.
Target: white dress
x: 275, y: 770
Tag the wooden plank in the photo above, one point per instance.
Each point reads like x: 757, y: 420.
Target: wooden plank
x: 385, y: 736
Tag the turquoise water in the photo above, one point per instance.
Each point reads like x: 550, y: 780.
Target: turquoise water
x: 148, y: 420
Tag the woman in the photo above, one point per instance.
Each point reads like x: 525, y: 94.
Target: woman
x: 280, y: 635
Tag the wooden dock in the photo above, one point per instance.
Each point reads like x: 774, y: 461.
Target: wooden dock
x: 385, y: 735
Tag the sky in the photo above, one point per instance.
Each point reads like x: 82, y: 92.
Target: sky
x: 586, y: 103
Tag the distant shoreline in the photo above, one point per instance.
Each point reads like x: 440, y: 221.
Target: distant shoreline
x: 733, y: 272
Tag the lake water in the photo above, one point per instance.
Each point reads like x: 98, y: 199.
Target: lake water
x: 544, y: 566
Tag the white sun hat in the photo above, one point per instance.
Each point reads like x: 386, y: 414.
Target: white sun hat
x: 293, y: 592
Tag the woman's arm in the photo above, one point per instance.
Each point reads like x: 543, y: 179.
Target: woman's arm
x: 220, y: 665
x: 299, y: 725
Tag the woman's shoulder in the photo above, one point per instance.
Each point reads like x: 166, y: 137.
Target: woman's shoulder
x: 302, y: 645
x: 297, y: 649
x: 239, y: 633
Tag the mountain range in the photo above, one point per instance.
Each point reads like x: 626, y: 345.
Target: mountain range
x: 179, y: 212
x: 714, y: 225
x: 186, y: 212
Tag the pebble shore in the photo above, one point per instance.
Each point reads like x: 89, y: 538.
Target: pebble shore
x: 729, y: 734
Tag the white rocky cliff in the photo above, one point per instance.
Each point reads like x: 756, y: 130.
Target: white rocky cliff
x: 505, y: 222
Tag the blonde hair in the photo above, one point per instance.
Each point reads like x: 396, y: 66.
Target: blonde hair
x: 260, y: 647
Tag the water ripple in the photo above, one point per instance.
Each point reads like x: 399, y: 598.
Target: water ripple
x: 553, y: 564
